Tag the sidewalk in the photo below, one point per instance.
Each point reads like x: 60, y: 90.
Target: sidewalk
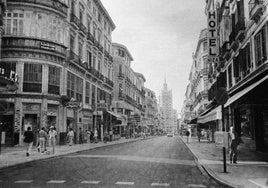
x: 250, y: 172
x: 12, y: 156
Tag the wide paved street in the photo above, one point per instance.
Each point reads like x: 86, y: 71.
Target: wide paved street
x: 157, y: 162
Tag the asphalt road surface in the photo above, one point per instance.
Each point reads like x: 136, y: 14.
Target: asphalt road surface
x: 156, y: 162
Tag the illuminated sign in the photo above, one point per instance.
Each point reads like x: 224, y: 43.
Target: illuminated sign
x: 213, y: 50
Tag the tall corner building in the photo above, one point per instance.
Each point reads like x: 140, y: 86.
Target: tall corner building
x: 167, y: 109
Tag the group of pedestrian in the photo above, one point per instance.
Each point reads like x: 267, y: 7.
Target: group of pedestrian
x: 44, y: 138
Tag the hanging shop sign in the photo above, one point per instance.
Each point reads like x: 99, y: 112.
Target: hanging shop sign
x: 11, y: 76
x: 213, y: 46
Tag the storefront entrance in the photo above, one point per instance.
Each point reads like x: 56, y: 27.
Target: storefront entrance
x: 31, y: 120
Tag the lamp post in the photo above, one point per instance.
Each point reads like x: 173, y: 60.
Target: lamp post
x: 221, y: 98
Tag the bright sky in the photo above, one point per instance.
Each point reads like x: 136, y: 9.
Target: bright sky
x: 161, y: 35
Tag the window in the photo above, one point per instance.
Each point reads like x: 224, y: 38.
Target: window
x: 14, y: 24
x: 54, y: 80
x: 120, y: 69
x: 99, y: 17
x: 94, y: 62
x: 230, y: 75
x: 89, y: 59
x: 99, y: 36
x: 99, y: 65
x: 105, y: 25
x: 32, y: 80
x: 87, y: 97
x: 260, y: 47
x: 93, y: 97
x: 121, y: 53
x: 94, y: 30
x: 79, y: 89
x: 74, y: 87
x: 80, y: 49
x: 89, y: 4
x: 205, y: 46
x: 88, y: 24
x: 71, y: 42
x: 72, y: 6
x: 94, y: 12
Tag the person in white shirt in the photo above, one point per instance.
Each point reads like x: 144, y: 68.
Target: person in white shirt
x: 52, y: 138
x: 71, y: 136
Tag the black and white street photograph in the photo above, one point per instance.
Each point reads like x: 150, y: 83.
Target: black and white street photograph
x: 133, y: 94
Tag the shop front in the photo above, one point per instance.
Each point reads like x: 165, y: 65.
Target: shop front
x: 9, y: 136
x: 248, y: 110
x: 31, y: 118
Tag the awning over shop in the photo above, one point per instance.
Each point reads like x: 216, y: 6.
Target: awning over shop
x: 114, y: 114
x: 213, y: 115
x: 244, y: 91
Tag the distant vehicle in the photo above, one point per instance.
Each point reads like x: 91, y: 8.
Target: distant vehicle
x: 170, y: 134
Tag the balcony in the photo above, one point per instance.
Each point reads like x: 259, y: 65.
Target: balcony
x: 110, y: 58
x: 82, y: 28
x: 256, y: 9
x: 52, y: 4
x: 94, y: 72
x: 90, y: 37
x: 121, y: 76
x: 74, y: 20
x: 100, y: 48
x: 109, y: 82
x: 225, y: 49
x: 106, y: 54
x: 75, y: 58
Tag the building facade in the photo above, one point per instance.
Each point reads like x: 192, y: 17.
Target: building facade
x: 61, y: 50
x: 129, y: 93
x: 150, y: 117
x: 241, y: 69
x: 167, y: 110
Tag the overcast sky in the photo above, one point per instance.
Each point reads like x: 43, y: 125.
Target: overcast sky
x: 161, y: 35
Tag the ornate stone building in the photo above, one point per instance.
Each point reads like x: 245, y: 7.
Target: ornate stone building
x: 58, y: 48
x: 129, y: 94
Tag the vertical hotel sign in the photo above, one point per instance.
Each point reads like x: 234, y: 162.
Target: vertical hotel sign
x: 213, y: 47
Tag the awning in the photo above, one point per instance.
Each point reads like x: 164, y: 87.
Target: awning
x: 118, y: 116
x: 213, y: 115
x: 244, y: 91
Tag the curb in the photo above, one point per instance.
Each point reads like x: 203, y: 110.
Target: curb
x: 206, y: 170
x: 21, y: 164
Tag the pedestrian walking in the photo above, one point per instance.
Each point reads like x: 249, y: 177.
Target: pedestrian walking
x: 70, y: 136
x: 91, y: 136
x: 81, y: 135
x: 52, y: 138
x: 28, y: 140
x: 106, y: 136
x: 235, y: 141
x: 96, y: 135
x: 199, y: 134
x: 111, y: 135
x: 88, y: 135
x: 187, y: 135
x: 37, y: 140
x: 42, y: 139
